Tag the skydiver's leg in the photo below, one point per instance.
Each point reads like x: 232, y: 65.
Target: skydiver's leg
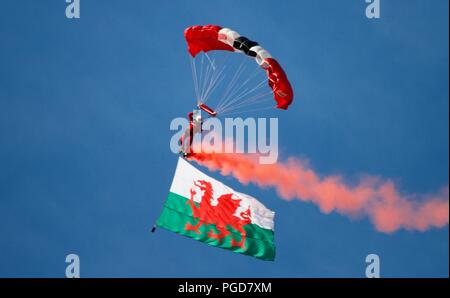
x: 182, y: 142
x: 191, y: 140
x: 186, y: 141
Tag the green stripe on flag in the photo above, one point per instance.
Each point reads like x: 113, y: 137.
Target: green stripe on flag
x: 176, y: 213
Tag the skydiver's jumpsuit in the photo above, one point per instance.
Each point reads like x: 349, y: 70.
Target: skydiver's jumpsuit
x: 191, y: 130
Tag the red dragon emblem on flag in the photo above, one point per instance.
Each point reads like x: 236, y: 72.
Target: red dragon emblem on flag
x: 222, y: 212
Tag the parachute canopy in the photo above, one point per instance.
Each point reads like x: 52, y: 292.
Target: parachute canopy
x: 210, y: 37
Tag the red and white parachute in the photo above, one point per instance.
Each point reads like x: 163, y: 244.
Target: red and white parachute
x: 202, y: 39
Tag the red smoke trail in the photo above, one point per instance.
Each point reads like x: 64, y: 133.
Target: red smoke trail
x: 378, y: 199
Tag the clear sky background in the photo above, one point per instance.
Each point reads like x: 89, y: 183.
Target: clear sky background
x: 85, y: 107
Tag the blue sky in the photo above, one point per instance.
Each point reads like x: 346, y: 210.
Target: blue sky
x: 85, y: 107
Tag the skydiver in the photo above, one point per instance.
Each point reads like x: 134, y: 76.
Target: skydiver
x: 195, y: 126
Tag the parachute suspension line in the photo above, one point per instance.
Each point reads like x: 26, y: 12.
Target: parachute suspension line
x: 214, y: 82
x: 205, y: 81
x: 211, y: 62
x: 231, y: 84
x: 256, y: 71
x: 242, y: 91
x: 258, y: 98
x: 230, y: 87
x: 194, y: 76
x: 200, y: 80
x: 211, y: 80
x: 257, y: 87
x: 230, y: 98
x: 218, y: 75
x: 243, y: 95
x: 250, y: 100
x: 233, y: 88
x: 246, y: 111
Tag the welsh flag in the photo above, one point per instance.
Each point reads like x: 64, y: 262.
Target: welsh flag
x: 205, y: 209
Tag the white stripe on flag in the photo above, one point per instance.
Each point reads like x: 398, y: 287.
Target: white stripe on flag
x: 183, y: 182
